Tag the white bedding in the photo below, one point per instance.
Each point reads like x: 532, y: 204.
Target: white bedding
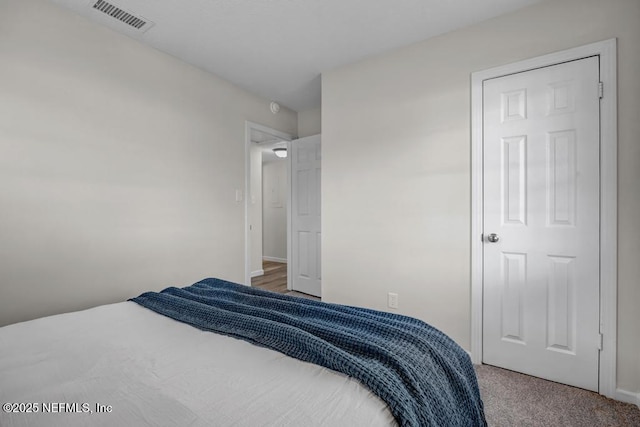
x: 154, y: 371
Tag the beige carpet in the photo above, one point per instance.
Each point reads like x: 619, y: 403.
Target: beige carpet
x: 512, y: 399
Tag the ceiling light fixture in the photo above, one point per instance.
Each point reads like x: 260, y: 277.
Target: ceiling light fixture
x: 280, y: 152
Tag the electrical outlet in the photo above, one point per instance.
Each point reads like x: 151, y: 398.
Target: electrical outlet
x: 392, y: 300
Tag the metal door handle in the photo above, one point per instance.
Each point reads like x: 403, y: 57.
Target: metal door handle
x: 493, y: 237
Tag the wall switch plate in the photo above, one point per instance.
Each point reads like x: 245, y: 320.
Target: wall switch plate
x: 238, y: 195
x: 392, y: 300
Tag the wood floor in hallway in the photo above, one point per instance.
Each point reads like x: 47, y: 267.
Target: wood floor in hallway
x: 274, y: 278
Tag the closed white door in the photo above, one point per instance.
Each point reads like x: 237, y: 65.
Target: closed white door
x: 305, y: 215
x: 541, y: 222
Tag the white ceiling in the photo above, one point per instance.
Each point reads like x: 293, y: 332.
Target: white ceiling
x: 278, y: 48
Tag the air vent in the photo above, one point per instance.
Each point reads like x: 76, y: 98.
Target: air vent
x: 137, y: 22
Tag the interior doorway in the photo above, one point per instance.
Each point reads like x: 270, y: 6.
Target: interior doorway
x: 266, y: 206
x: 604, y: 92
x: 273, y: 259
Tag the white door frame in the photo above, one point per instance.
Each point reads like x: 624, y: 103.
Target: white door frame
x: 608, y: 197
x: 248, y: 127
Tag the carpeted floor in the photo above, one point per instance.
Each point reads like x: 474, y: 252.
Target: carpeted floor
x: 301, y: 295
x: 514, y: 399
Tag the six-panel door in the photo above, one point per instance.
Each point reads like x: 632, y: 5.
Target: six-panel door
x: 541, y: 199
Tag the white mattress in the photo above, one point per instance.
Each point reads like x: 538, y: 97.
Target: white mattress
x: 155, y: 371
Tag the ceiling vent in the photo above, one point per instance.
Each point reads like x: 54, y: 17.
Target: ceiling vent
x: 133, y: 21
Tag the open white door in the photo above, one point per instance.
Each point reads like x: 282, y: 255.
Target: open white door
x: 542, y: 222
x: 305, y: 215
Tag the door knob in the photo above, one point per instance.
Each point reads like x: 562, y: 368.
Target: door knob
x: 493, y: 237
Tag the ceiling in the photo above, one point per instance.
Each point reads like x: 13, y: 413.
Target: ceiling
x: 266, y: 143
x: 278, y: 48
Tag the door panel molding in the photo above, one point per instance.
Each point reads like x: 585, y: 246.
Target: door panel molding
x: 303, y: 272
x: 606, y: 51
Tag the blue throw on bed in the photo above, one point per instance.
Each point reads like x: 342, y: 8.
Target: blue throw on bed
x: 423, y: 375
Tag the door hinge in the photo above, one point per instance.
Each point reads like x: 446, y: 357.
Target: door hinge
x: 600, y: 89
x: 600, y: 342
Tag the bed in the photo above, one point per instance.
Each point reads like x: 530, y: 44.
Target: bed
x: 221, y: 354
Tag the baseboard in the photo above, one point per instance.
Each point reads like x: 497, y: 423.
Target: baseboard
x: 274, y: 259
x: 257, y: 273
x: 628, y: 397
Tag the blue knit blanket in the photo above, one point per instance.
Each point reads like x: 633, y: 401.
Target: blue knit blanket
x: 425, y: 378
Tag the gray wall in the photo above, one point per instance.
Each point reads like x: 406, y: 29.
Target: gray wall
x: 396, y: 165
x: 118, y: 165
x: 309, y: 122
x: 274, y: 210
